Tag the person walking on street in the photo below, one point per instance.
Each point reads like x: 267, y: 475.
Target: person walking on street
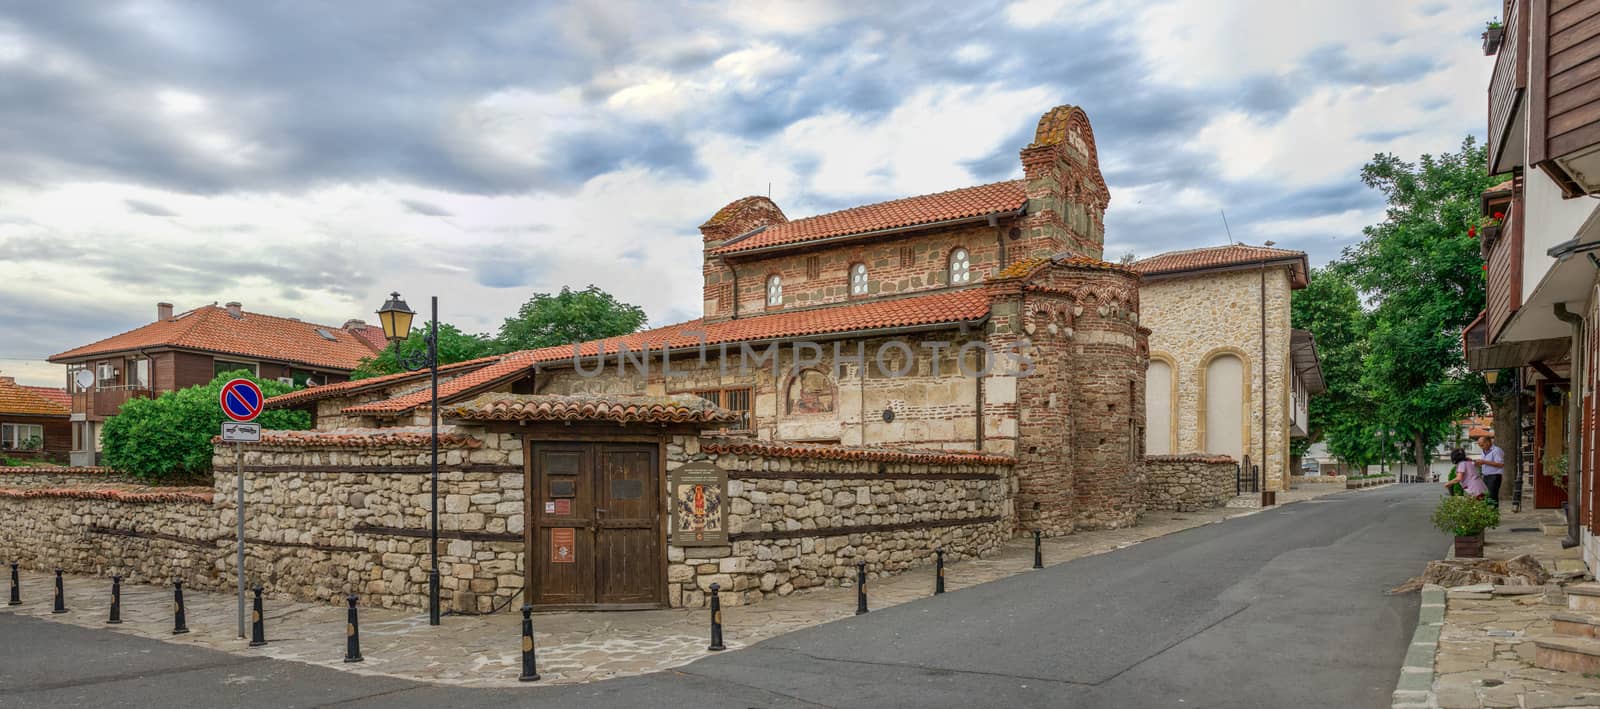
x: 1492, y: 464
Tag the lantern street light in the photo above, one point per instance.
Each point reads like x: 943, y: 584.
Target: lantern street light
x: 396, y: 316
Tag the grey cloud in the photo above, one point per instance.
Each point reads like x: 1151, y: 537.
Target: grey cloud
x: 149, y: 208
x: 425, y: 209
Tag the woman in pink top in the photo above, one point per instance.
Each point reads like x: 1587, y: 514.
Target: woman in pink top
x: 1466, y: 474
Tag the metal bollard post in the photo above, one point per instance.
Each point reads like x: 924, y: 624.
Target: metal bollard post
x: 1038, y: 552
x: 116, y: 601
x: 179, y: 620
x: 530, y: 663
x: 16, y: 587
x: 716, y: 618
x: 258, y: 624
x: 861, y: 587
x: 352, y: 633
x: 61, y: 595
x: 938, y: 568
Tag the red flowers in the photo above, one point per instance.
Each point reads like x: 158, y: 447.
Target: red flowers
x: 1472, y: 231
x: 1499, y: 216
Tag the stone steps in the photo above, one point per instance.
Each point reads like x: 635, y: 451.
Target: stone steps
x: 1583, y: 597
x: 1567, y: 654
x: 1576, y: 625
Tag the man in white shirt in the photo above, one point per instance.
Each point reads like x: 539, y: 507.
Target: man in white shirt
x: 1492, y: 464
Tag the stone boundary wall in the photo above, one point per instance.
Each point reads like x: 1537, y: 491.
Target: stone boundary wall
x: 44, y: 476
x: 1185, y: 483
x: 803, y: 516
x: 151, y: 536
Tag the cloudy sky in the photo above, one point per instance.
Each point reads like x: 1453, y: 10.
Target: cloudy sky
x: 306, y: 158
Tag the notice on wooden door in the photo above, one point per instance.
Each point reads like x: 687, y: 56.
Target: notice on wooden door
x: 563, y: 545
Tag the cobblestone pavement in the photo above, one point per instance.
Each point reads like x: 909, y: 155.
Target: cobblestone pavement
x: 1485, y: 656
x: 572, y: 647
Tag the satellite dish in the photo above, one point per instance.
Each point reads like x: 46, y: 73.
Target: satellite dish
x: 84, y: 379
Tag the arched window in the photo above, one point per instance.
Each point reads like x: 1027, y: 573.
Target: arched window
x: 960, y: 267
x: 1223, y: 406
x: 858, y: 279
x: 1158, y: 408
x: 774, y: 291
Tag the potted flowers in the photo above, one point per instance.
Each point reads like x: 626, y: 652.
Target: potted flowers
x: 1494, y: 32
x: 1489, y: 226
x: 1465, y: 517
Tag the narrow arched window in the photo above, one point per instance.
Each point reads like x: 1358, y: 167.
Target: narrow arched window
x: 960, y: 267
x: 858, y: 279
x: 774, y: 291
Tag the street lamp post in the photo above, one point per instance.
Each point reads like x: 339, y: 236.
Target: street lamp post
x: 396, y: 317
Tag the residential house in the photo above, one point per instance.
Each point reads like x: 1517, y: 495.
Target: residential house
x: 1537, y: 333
x: 190, y: 348
x: 1228, y: 375
x: 33, y: 422
x: 978, y: 323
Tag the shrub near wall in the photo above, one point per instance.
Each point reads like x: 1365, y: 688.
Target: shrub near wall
x: 1184, y: 483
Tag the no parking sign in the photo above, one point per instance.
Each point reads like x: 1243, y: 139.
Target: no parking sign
x: 241, y: 400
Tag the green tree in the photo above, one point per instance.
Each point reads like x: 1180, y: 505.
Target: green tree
x: 454, y: 346
x: 1344, y: 416
x: 570, y: 316
x: 168, y: 438
x: 1422, y: 273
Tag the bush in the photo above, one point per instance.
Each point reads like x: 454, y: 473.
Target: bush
x: 168, y: 438
x: 1465, y: 516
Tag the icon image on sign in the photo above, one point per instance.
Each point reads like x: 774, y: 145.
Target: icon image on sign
x: 241, y: 400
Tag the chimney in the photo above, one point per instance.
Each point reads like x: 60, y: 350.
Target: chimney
x: 354, y: 325
x: 235, y: 310
x: 163, y: 312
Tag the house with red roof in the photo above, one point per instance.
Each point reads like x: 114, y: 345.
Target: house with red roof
x: 33, y: 422
x: 971, y: 326
x: 179, y: 350
x: 1228, y: 375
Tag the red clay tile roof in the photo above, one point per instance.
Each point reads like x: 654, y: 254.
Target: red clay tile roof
x: 621, y: 408
x: 993, y: 198
x: 358, y: 385
x: 951, y: 306
x: 773, y: 449
x: 56, y: 470
x: 1191, y: 458
x: 56, y: 394
x: 110, y: 495
x: 409, y: 437
x: 1219, y: 257
x: 211, y: 329
x: 25, y: 400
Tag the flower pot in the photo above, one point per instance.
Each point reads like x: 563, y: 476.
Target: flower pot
x: 1470, y: 547
x: 1491, y: 233
x: 1491, y: 40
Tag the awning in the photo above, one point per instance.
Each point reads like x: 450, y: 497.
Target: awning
x: 1303, y: 352
x: 1482, y: 356
x: 1568, y: 280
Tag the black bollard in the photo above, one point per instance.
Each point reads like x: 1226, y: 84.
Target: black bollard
x: 716, y: 618
x: 1038, y: 552
x: 861, y: 587
x: 530, y: 664
x: 258, y: 624
x: 938, y: 568
x: 61, y: 595
x: 352, y: 633
x: 16, y: 587
x: 116, y: 601
x: 179, y: 620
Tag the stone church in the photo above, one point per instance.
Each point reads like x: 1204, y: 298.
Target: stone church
x: 864, y: 385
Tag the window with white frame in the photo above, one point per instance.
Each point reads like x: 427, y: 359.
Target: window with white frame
x: 960, y: 267
x: 21, y: 436
x: 858, y: 279
x: 774, y: 291
x: 139, y: 373
x: 106, y: 374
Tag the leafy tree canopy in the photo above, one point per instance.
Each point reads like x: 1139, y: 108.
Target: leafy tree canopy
x: 168, y: 438
x: 570, y: 316
x: 454, y: 346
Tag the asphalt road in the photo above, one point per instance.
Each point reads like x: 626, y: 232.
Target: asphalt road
x: 1285, y: 608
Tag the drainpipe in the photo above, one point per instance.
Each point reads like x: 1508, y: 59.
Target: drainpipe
x: 1263, y: 367
x: 1574, y: 415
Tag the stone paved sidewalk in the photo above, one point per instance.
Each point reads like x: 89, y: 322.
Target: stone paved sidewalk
x: 1485, y: 656
x: 572, y: 647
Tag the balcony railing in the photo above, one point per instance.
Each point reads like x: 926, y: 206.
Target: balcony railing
x: 1506, y: 87
x: 107, y: 401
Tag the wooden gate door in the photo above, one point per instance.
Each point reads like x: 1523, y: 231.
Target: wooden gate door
x: 594, y: 537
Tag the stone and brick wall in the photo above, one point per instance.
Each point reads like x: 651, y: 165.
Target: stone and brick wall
x: 1184, y: 483
x: 803, y: 516
x: 48, y: 476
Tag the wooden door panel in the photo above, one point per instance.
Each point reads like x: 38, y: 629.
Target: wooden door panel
x: 627, y: 510
x: 562, y: 505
